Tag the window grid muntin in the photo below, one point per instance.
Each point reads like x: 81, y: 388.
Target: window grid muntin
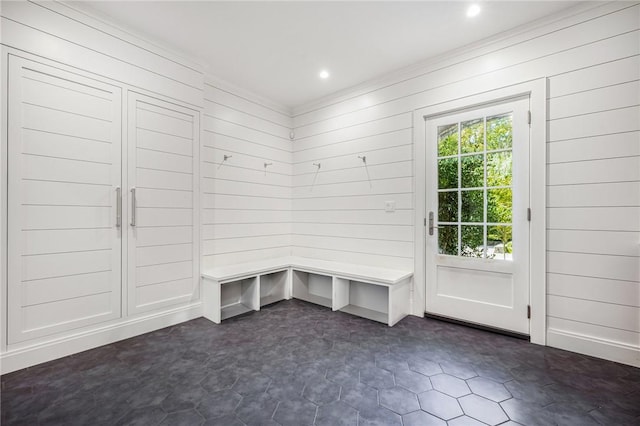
x: 485, y: 189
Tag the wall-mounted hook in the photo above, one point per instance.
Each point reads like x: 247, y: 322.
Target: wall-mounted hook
x: 315, y: 176
x: 265, y: 167
x: 224, y: 159
x: 364, y: 161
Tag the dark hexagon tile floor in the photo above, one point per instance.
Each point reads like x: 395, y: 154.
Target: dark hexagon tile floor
x: 294, y: 363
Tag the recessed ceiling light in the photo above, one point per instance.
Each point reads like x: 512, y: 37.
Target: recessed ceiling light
x: 473, y: 10
x: 324, y: 74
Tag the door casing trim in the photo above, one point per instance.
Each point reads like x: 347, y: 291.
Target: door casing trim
x: 537, y: 92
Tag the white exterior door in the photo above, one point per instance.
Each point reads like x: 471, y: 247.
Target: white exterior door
x: 162, y: 204
x: 64, y: 234
x: 477, y: 200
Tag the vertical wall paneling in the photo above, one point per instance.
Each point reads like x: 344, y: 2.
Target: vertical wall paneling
x: 163, y: 155
x: 64, y: 244
x: 593, y: 145
x: 246, y: 199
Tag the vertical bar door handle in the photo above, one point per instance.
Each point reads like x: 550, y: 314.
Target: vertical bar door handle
x: 133, y: 207
x: 118, y: 207
x: 431, y: 226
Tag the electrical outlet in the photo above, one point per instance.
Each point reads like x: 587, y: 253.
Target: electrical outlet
x: 390, y: 206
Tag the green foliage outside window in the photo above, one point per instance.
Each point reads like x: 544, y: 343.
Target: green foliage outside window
x: 491, y: 202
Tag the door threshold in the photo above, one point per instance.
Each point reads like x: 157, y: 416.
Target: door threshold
x: 482, y: 327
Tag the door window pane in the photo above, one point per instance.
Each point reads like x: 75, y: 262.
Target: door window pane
x: 472, y: 171
x: 472, y: 241
x: 448, y: 206
x: 448, y: 173
x: 472, y: 136
x: 499, y: 242
x: 448, y: 140
x: 499, y: 132
x: 499, y: 169
x: 448, y: 239
x: 499, y: 205
x: 472, y: 206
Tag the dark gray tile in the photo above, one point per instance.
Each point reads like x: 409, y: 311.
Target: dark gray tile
x: 450, y: 385
x: 143, y: 417
x: 321, y: 391
x: 70, y: 409
x: 252, y: 383
x: 293, y: 343
x: 295, y: 411
x: 360, y: 397
x: 440, y: 405
x: 392, y: 362
x: 224, y: 421
x: 183, y: 418
x: 567, y: 414
x: 376, y: 377
x: 151, y: 393
x: 336, y: 414
x: 218, y: 404
x: 460, y: 370
x: 527, y: 413
x: 426, y: 367
x: 378, y: 416
x: 399, y: 400
x: 465, y: 421
x: 183, y: 398
x: 415, y: 382
x: 344, y: 375
x: 421, y: 418
x: 219, y: 380
x: 256, y: 409
x: 482, y: 409
x: 286, y: 387
x: 489, y: 389
x: 529, y: 393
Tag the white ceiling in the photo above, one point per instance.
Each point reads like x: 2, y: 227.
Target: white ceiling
x: 276, y: 49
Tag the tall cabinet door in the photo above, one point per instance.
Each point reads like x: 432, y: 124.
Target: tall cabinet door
x: 64, y: 174
x: 163, y: 240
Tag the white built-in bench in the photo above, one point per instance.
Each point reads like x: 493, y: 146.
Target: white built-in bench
x: 378, y: 294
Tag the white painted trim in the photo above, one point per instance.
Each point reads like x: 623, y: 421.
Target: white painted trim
x: 537, y: 91
x: 4, y: 179
x: 589, y: 345
x: 582, y: 12
x: 23, y: 357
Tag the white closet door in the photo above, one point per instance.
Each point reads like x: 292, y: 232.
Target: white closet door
x: 64, y: 168
x: 163, y: 240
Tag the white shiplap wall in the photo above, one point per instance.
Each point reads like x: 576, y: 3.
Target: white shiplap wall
x: 591, y: 61
x: 246, y: 208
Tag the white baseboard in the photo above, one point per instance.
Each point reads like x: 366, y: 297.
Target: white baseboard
x: 599, y: 348
x: 23, y: 357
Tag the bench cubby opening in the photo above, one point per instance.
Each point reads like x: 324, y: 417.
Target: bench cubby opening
x: 238, y: 297
x: 365, y: 300
x: 314, y: 288
x: 273, y: 287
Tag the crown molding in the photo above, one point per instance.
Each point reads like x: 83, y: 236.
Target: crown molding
x: 583, y: 11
